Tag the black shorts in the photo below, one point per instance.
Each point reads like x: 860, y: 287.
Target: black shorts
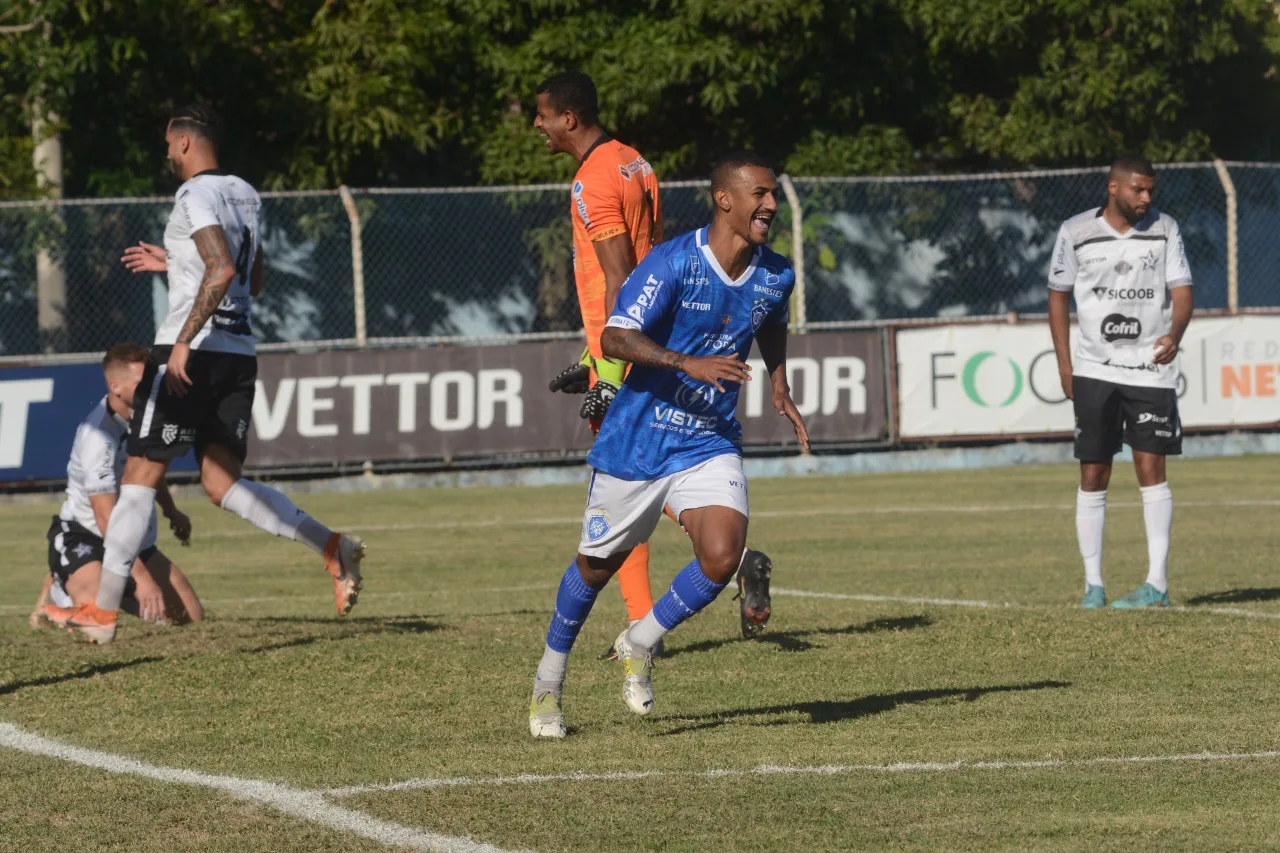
x: 216, y: 409
x: 1108, y: 414
x: 73, y: 546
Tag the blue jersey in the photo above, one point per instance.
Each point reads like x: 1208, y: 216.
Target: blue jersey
x: 662, y: 421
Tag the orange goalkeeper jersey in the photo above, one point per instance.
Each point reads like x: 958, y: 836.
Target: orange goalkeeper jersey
x: 615, y: 192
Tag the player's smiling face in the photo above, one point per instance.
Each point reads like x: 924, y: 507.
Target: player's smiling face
x: 753, y: 200
x: 551, y: 123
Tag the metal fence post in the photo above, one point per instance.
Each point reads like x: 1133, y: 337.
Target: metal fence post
x: 799, y: 319
x: 357, y: 263
x: 1233, y: 248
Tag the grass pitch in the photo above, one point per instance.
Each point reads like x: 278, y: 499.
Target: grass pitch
x: 429, y: 679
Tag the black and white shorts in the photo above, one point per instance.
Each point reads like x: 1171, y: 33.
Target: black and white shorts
x: 73, y: 546
x: 216, y: 409
x: 1109, y: 414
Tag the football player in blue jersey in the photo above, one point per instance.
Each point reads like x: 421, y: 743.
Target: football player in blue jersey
x: 685, y: 319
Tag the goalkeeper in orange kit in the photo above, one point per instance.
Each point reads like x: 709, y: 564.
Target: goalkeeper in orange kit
x: 617, y: 218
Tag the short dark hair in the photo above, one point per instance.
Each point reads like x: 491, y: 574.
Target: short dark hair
x: 1132, y: 164
x: 124, y: 354
x: 575, y: 92
x: 198, y: 120
x: 722, y: 171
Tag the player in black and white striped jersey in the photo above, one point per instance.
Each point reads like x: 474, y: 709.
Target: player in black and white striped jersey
x: 157, y: 589
x: 1126, y: 266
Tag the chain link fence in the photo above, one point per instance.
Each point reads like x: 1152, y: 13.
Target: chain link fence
x: 479, y: 264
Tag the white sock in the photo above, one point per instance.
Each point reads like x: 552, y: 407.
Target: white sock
x: 647, y: 632
x: 1157, y: 512
x: 273, y: 512
x: 1091, y: 518
x: 126, y: 531
x: 551, y: 671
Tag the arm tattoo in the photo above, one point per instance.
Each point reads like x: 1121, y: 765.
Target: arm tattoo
x: 211, y: 243
x: 635, y: 347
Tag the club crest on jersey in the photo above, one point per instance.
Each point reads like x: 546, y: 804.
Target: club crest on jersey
x: 597, y: 526
x: 1149, y: 260
x: 758, y: 312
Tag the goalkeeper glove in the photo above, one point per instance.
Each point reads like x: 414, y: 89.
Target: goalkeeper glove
x: 598, y: 400
x: 609, y: 376
x: 575, y: 378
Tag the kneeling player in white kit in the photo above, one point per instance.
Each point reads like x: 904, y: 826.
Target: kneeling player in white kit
x: 1127, y: 268
x: 157, y: 589
x: 685, y: 319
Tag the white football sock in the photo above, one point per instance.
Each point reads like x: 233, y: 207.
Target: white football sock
x: 273, y: 512
x: 551, y: 671
x: 1091, y: 518
x: 126, y: 531
x: 647, y: 632
x: 1157, y: 512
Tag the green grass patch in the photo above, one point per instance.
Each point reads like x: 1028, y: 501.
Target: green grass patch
x: 430, y: 678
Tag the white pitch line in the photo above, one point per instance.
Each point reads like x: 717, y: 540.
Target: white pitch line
x: 1227, y: 611
x: 306, y: 805
x: 565, y: 521
x: 994, y: 605
x: 792, y: 770
x: 905, y: 599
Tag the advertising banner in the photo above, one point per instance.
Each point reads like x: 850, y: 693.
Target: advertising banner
x: 998, y: 379
x: 440, y: 403
x: 40, y: 409
x: 444, y: 403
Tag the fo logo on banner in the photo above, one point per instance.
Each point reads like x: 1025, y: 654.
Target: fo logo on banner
x: 969, y: 378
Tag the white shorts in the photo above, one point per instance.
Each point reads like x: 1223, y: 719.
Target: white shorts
x: 622, y: 514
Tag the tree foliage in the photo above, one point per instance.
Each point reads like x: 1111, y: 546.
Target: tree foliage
x: 437, y: 92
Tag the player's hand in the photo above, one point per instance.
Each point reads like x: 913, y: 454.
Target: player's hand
x: 714, y: 369
x: 145, y: 257
x: 180, y: 524
x: 574, y: 379
x: 598, y: 400
x: 1064, y: 374
x: 175, y: 378
x: 150, y: 599
x: 786, y: 407
x: 1166, y: 350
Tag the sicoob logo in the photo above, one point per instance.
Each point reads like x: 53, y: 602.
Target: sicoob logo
x: 1117, y: 327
